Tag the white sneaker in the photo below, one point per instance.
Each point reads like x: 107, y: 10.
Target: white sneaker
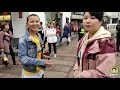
x: 54, y: 55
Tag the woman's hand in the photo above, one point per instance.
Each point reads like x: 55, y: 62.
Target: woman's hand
x: 48, y: 63
x: 6, y: 34
x: 2, y: 50
x: 46, y: 57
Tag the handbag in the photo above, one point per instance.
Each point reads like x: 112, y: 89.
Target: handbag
x: 69, y: 39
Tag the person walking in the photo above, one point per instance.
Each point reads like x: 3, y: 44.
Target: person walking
x: 30, y: 50
x: 7, y: 41
x: 75, y: 27
x: 65, y: 33
x: 58, y: 32
x: 52, y: 38
x: 81, y: 32
x: 96, y: 50
x: 40, y: 31
x: 45, y: 36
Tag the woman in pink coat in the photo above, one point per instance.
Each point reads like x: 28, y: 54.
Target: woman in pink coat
x: 5, y: 40
x: 7, y: 36
x: 96, y: 50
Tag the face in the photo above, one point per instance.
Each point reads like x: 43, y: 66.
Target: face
x: 51, y: 25
x: 7, y: 27
x: 33, y: 23
x: 48, y: 24
x: 91, y: 23
x: 114, y: 70
x: 57, y: 26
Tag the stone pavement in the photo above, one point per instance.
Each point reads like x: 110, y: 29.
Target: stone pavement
x: 63, y: 63
x: 61, y: 68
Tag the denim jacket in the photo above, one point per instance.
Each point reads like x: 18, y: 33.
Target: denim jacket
x: 27, y: 53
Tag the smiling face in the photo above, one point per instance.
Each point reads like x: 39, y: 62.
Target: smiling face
x: 91, y: 23
x: 5, y: 25
x: 33, y: 23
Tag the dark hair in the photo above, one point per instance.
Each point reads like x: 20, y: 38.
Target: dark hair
x: 3, y: 25
x: 98, y: 15
x: 113, y: 68
x: 32, y: 15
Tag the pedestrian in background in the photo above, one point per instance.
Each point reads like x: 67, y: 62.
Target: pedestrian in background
x: 3, y: 57
x: 96, y: 50
x: 75, y: 27
x: 30, y: 50
x: 71, y: 29
x: 7, y: 40
x: 81, y: 32
x: 40, y: 31
x: 52, y: 38
x: 45, y: 36
x: 69, y: 25
x: 58, y: 32
x: 65, y: 33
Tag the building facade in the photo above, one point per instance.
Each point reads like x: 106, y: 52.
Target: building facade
x: 77, y: 17
x: 114, y: 16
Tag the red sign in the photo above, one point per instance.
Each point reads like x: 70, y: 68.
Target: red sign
x: 5, y: 13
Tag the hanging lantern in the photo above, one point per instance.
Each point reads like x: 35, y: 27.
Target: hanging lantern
x: 20, y: 14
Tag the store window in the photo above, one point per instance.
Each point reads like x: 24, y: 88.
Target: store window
x: 114, y: 20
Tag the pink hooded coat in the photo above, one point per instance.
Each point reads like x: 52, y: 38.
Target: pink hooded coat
x: 98, y: 55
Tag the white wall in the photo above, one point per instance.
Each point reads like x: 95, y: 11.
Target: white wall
x: 68, y: 15
x: 113, y: 14
x: 18, y: 24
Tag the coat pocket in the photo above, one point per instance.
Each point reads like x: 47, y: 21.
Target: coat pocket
x: 91, y: 56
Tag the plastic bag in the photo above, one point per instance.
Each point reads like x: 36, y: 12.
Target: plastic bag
x: 69, y: 39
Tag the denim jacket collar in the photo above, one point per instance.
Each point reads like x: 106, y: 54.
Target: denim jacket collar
x: 30, y: 39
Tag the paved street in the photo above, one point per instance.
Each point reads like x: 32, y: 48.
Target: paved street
x: 62, y: 64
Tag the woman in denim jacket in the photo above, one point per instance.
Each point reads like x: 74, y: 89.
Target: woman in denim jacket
x: 29, y: 52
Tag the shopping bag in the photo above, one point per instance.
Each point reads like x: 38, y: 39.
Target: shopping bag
x: 69, y: 39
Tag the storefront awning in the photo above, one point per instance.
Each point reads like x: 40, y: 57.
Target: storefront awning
x: 76, y: 17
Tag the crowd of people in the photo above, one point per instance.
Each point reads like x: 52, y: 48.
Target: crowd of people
x: 96, y: 50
